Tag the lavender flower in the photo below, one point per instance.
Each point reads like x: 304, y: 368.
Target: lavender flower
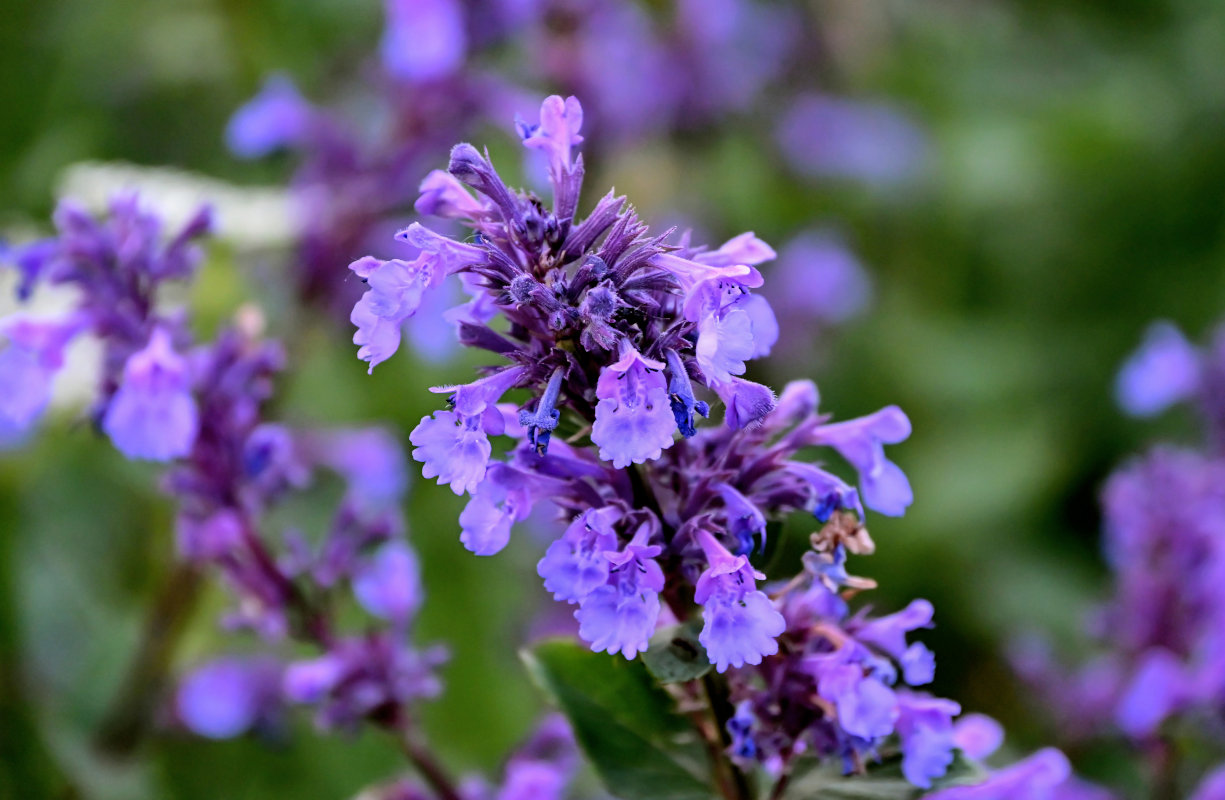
x: 153, y: 415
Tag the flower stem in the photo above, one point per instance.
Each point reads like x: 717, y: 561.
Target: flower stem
x: 426, y: 763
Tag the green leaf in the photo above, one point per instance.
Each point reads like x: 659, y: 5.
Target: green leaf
x: 626, y: 724
x: 676, y: 655
x: 883, y: 781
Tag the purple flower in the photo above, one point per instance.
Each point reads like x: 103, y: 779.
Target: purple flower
x: 1163, y: 371
x: 746, y: 403
x: 1212, y: 787
x: 444, y: 196
x: 1038, y: 777
x: 229, y: 696
x: 889, y: 635
x: 575, y: 565
x: 741, y: 624
x: 453, y: 448
x: 832, y: 137
x: 424, y: 39
x: 28, y: 365
x: 389, y: 584
x: 620, y: 616
x: 925, y: 726
x: 633, y: 418
x: 977, y: 735
x: 277, y: 117
x: 859, y: 441
x: 153, y: 414
x: 866, y: 707
x: 818, y: 278
x: 505, y: 497
x: 1159, y: 687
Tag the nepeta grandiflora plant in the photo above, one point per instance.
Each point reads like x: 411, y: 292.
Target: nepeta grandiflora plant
x: 612, y: 331
x: 1159, y: 676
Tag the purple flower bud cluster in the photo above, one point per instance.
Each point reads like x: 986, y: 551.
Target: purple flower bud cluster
x: 200, y: 408
x: 1163, y: 628
x: 621, y: 340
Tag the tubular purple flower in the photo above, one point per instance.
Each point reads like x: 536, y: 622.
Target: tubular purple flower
x: 885, y: 487
x: 444, y: 196
x: 1165, y: 370
x: 633, y: 418
x: 746, y: 403
x: 575, y: 565
x: 452, y: 447
x: 741, y: 624
x: 888, y: 634
x: 505, y: 497
x: 153, y: 414
x: 925, y: 726
x: 1038, y: 777
x: 620, y: 616
x: 866, y: 707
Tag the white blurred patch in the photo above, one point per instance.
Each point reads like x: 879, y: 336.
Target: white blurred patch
x: 248, y: 217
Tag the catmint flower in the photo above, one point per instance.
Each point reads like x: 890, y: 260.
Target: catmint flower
x: 633, y: 419
x: 29, y: 362
x: 453, y: 448
x: 620, y: 616
x: 885, y: 487
x: 153, y: 415
x: 575, y: 565
x: 740, y: 622
x: 925, y: 726
x: 888, y: 634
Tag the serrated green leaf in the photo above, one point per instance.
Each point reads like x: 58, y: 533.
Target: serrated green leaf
x: 676, y: 655
x: 626, y: 724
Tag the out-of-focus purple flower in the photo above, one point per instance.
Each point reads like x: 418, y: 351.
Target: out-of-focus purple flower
x: 28, y: 365
x: 1045, y: 775
x: 370, y: 460
x: 818, y: 279
x: 825, y: 136
x: 275, y: 118
x: 1163, y: 371
x: 1212, y: 787
x: 389, y: 584
x: 424, y: 39
x: 741, y: 624
x: 153, y: 414
x: 227, y: 697
x: 977, y: 735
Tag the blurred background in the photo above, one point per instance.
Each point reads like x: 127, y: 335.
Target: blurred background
x: 1002, y: 195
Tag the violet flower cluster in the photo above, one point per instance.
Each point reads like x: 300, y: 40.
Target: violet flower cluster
x: 199, y: 407
x: 1159, y: 678
x: 620, y: 340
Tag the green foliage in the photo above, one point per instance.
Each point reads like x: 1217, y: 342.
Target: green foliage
x: 882, y: 781
x: 676, y: 655
x: 627, y: 725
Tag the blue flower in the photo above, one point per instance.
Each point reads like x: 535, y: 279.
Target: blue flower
x: 620, y: 616
x: 860, y: 441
